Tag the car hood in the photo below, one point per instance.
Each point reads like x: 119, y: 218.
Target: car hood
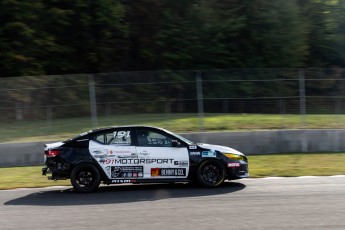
x: 220, y: 148
x: 54, y: 145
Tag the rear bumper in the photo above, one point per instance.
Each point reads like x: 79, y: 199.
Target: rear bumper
x: 54, y: 175
x: 56, y: 168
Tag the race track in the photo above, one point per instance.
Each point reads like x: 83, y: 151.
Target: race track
x: 270, y: 203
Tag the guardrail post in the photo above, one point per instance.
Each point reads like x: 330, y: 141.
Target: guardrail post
x: 302, y: 96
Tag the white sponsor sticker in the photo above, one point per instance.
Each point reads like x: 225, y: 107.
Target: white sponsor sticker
x: 233, y: 165
x: 181, y: 163
x: 209, y: 153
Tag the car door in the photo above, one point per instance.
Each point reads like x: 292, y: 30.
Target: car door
x: 116, y: 155
x: 157, y: 156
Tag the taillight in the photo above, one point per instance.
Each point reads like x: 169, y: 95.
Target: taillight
x: 52, y: 153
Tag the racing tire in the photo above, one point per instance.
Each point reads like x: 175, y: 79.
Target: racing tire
x: 85, y: 178
x: 210, y: 173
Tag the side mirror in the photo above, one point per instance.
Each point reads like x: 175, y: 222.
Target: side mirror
x: 176, y: 143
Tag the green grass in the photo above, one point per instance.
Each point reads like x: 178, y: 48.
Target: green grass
x: 25, y: 177
x: 260, y: 166
x: 60, y: 129
x: 286, y: 165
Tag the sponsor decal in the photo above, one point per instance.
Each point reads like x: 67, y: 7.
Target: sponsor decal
x: 116, y: 171
x: 129, y: 161
x: 99, y: 151
x: 84, y: 133
x: 123, y: 181
x: 122, y: 152
x: 192, y: 147
x: 181, y: 163
x: 168, y: 172
x: 133, y: 155
x: 194, y: 153
x: 126, y: 171
x: 107, y: 170
x: 210, y: 153
x: 233, y: 165
x: 173, y: 172
x: 155, y: 171
x: 101, y: 158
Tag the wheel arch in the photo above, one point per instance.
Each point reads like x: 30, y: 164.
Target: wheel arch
x: 197, y: 165
x: 92, y: 162
x: 203, y: 163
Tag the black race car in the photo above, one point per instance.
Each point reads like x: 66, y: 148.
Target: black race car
x: 140, y: 154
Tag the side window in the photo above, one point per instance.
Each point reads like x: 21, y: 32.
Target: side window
x: 120, y: 137
x: 103, y: 138
x: 153, y: 139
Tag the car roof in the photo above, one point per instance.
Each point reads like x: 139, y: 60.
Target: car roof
x: 126, y: 126
x: 100, y: 130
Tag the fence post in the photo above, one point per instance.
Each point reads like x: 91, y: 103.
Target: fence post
x: 93, y: 102
x: 200, y: 99
x: 49, y: 111
x: 302, y: 105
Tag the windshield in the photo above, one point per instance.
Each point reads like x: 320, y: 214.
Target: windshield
x: 180, y: 137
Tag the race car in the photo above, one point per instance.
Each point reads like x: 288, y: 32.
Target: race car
x: 140, y: 154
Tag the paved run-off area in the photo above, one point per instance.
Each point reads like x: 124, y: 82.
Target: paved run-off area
x: 266, y: 203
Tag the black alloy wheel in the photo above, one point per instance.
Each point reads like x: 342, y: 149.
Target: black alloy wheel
x: 211, y: 173
x: 85, y: 178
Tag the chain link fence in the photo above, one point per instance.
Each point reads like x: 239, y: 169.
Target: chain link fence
x: 50, y: 105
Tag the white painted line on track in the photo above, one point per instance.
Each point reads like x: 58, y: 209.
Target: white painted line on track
x: 24, y: 189
x: 282, y: 178
x: 244, y: 179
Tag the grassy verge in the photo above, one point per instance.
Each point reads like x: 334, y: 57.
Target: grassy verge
x: 287, y: 165
x: 60, y: 129
x: 325, y: 164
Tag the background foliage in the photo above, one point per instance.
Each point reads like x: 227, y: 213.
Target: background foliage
x: 65, y: 37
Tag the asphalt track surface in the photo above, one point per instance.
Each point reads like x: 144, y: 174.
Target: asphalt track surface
x: 268, y: 203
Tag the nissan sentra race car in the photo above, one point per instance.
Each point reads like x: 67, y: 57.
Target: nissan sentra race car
x: 140, y: 154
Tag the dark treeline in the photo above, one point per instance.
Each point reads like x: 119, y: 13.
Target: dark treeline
x: 39, y: 37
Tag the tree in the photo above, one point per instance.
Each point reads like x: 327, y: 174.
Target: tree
x: 90, y: 34
x: 20, y: 41
x: 274, y: 35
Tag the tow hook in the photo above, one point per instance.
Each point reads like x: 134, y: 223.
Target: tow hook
x: 44, y: 171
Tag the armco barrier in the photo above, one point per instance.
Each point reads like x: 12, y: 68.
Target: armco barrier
x: 248, y: 142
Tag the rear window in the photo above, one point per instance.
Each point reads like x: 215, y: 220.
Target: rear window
x: 118, y: 137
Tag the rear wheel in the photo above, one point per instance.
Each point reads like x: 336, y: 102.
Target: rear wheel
x: 85, y: 178
x: 210, y: 173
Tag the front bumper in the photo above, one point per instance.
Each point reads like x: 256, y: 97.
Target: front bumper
x: 237, y: 170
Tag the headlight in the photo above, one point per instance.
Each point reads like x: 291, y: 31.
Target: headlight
x: 234, y: 156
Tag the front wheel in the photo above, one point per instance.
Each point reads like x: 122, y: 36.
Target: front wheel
x: 85, y: 178
x: 210, y: 173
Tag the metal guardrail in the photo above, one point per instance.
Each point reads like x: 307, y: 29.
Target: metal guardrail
x: 251, y: 142
x: 42, y: 104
